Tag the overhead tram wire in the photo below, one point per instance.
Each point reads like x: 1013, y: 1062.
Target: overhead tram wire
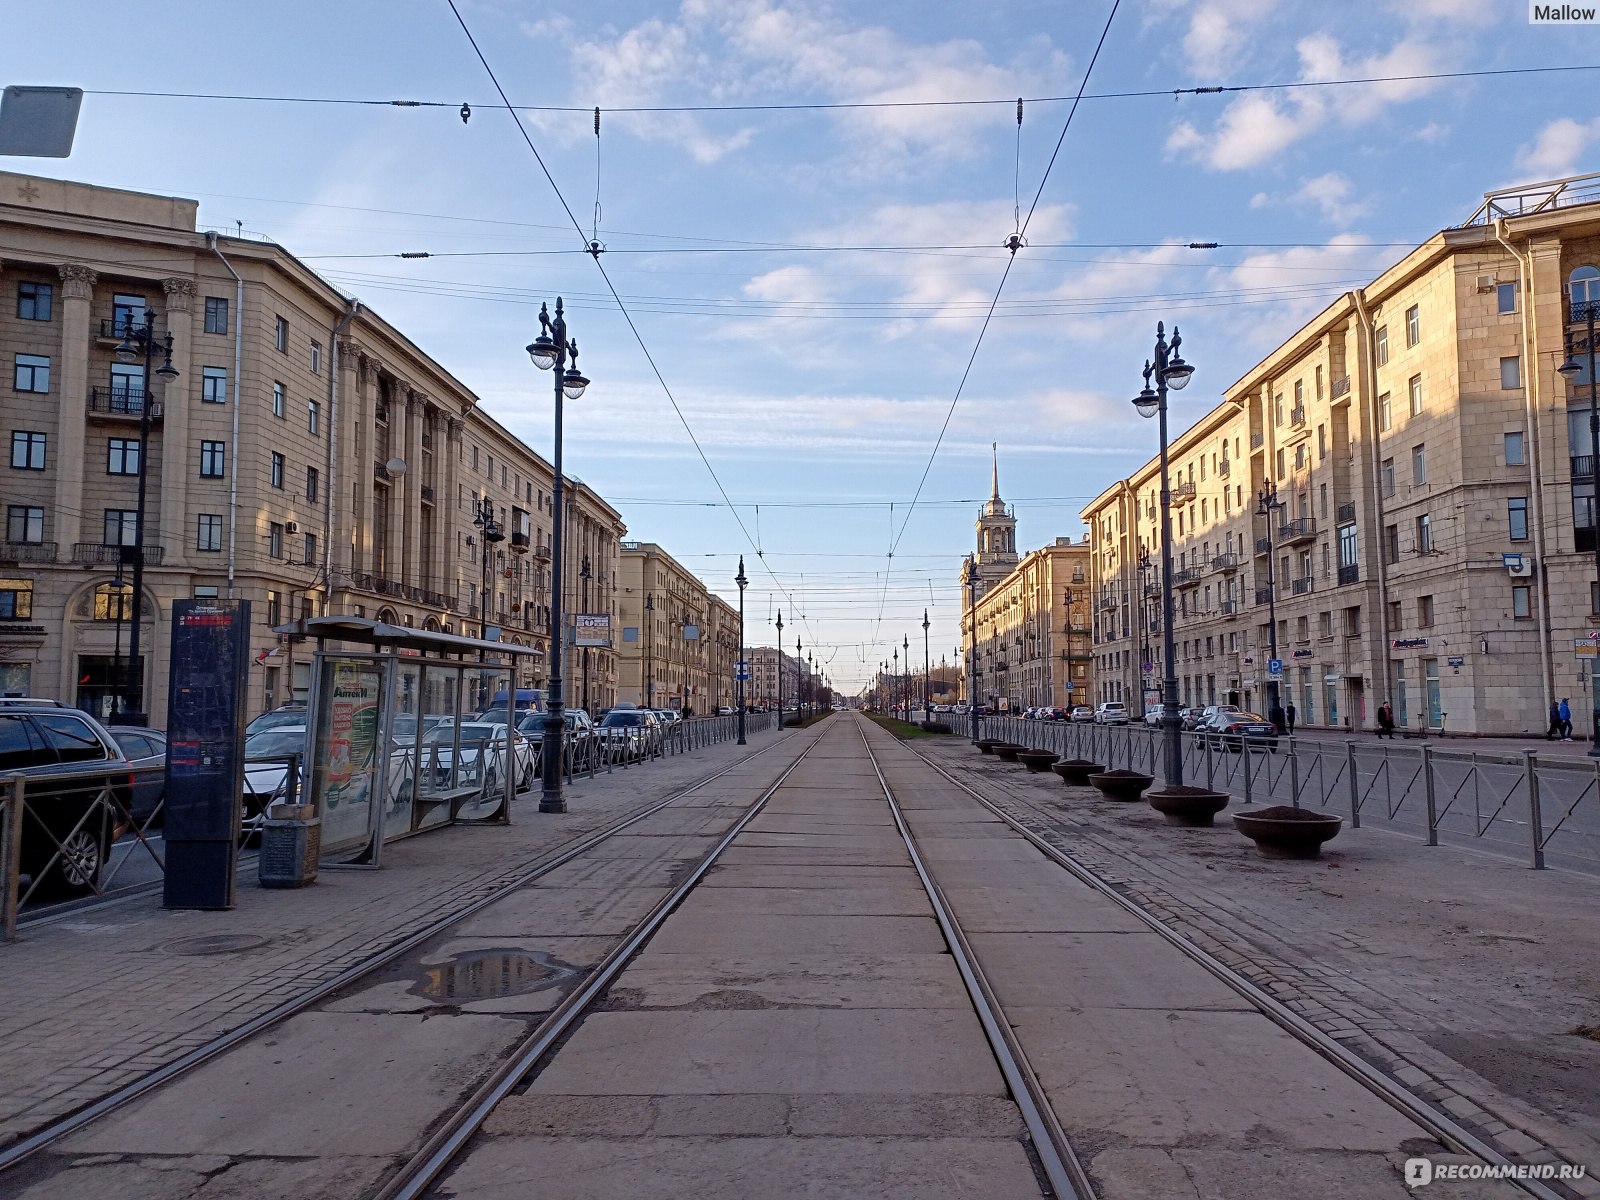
x: 621, y: 307
x: 1017, y: 241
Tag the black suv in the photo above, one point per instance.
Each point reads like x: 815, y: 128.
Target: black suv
x: 78, y: 791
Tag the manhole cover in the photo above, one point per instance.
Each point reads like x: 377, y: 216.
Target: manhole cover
x: 485, y: 974
x: 216, y: 943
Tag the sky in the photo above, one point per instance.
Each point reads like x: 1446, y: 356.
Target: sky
x: 804, y: 327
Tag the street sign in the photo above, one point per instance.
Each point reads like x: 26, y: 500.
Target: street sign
x: 1583, y: 648
x: 1274, y: 666
x: 1070, y: 685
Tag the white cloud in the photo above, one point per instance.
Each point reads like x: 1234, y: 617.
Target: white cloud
x: 1556, y: 151
x: 1218, y: 33
x: 1332, y: 194
x: 1465, y: 12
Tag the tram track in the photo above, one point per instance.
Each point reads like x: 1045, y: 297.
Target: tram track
x: 1449, y: 1132
x: 309, y: 1000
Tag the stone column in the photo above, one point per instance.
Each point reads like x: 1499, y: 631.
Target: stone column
x: 173, y: 532
x: 446, y: 512
x: 359, y: 480
x: 72, y: 384
x: 341, y: 426
x: 399, y: 489
x: 411, y: 497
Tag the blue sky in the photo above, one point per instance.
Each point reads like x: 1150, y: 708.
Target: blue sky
x: 754, y: 248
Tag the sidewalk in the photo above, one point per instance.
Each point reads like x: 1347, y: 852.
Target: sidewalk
x: 94, y: 1001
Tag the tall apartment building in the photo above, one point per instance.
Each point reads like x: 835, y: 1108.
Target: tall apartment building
x: 765, y: 685
x: 1399, y: 499
x: 679, y: 641
x: 307, y: 457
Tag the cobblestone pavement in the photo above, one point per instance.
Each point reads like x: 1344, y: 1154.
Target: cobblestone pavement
x: 96, y: 1000
x: 1462, y: 976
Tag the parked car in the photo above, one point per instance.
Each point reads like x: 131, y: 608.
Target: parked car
x: 1082, y: 714
x: 146, y: 749
x: 293, y: 713
x: 725, y: 710
x: 1234, y: 730
x: 580, y: 734
x: 1152, y: 715
x: 477, y: 739
x: 629, y: 733
x: 266, y: 773
x: 1112, y: 712
x: 43, y: 742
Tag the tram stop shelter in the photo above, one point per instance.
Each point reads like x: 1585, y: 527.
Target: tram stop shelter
x: 398, y: 739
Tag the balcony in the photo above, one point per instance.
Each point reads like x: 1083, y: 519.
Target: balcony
x: 1263, y: 546
x: 1256, y: 440
x: 1229, y: 608
x: 28, y: 552
x: 1347, y: 512
x: 1263, y: 596
x: 1301, y: 529
x: 1583, y: 466
x: 1302, y: 586
x: 1182, y: 493
x: 1226, y: 563
x: 1297, y: 416
x: 1188, y: 577
x: 1108, y: 600
x: 121, y: 403
x: 1349, y: 575
x: 427, y: 494
x: 1224, y: 468
x: 1341, y: 388
x: 93, y: 553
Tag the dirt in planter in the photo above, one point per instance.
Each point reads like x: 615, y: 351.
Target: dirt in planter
x: 1284, y: 812
x: 1186, y: 790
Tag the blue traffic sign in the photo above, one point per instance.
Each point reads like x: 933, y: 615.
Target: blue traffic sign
x: 1274, y: 666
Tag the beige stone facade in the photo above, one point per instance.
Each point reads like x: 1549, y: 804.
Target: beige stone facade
x: 679, y: 641
x: 1434, y: 540
x: 308, y: 457
x: 1028, y: 636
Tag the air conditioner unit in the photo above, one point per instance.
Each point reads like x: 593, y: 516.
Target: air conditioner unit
x: 1486, y: 283
x: 1519, y: 566
x: 291, y: 527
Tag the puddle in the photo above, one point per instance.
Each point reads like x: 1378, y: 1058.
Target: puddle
x: 486, y: 974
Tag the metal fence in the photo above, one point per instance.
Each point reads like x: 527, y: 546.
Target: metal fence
x: 1543, y: 811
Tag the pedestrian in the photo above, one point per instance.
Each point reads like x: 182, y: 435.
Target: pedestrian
x: 1275, y: 715
x: 1566, y: 720
x: 1554, y: 731
x: 1385, y: 721
x: 1289, y: 714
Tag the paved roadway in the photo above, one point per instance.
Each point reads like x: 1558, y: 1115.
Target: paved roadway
x: 795, y: 1029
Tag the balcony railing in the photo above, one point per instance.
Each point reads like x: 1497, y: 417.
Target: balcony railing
x: 1263, y: 596
x: 1297, y: 416
x: 1302, y: 586
x: 380, y: 470
x: 1256, y: 440
x: 427, y: 493
x: 1350, y: 574
x: 1347, y: 512
x: 28, y: 552
x: 1182, y: 493
x: 1583, y: 466
x: 1108, y: 600
x: 1341, y: 387
x: 1301, y: 529
x: 1224, y: 468
x: 1263, y: 546
x: 1188, y: 577
x: 1226, y: 562
x: 99, y: 552
x: 121, y: 402
x: 1229, y: 608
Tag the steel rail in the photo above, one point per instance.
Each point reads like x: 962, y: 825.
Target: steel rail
x: 12, y: 1155
x: 1448, y: 1131
x: 1065, y: 1173
x: 419, y: 1172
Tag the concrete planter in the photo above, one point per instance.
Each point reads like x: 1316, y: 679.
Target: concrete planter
x: 1285, y: 832
x: 987, y: 745
x: 1008, y: 751
x: 1037, y: 760
x: 1191, y: 806
x: 1076, y: 771
x: 1124, y: 786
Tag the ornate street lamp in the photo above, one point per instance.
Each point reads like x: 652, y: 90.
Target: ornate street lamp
x: 1169, y: 371
x: 780, y: 668
x: 927, y: 683
x: 1570, y: 369
x: 139, y: 341
x: 972, y: 653
x: 1267, y: 504
x: 552, y: 348
x: 743, y: 668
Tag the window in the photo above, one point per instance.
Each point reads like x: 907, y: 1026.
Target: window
x: 1319, y: 383
x: 1583, y: 286
x: 1302, y: 456
x: 280, y: 399
x: 1396, y: 616
x: 1322, y: 440
x: 126, y: 311
x: 1414, y: 387
x: 316, y: 358
x: 1424, y: 535
x: 1511, y: 372
x: 122, y: 456
x: 16, y: 599
x: 1352, y: 621
x: 277, y: 469
x: 213, y: 460
x: 312, y: 482
x: 1277, y: 410
x: 1348, y: 544
x: 1522, y: 602
x: 208, y: 535
x: 1505, y: 297
x: 27, y: 450
x: 1517, y: 517
x: 314, y: 418
x: 275, y: 540
x: 214, y: 385
x: 1424, y: 612
x: 33, y: 373
x: 1386, y: 478
x: 280, y: 336
x: 1413, y: 326
x: 1419, y: 465
x: 1514, y: 455
x: 121, y: 526
x: 216, y: 314
x: 311, y: 549
x: 474, y: 458
x: 24, y: 523
x: 1280, y: 464
x: 1381, y: 337
x: 35, y: 301
x: 1385, y: 413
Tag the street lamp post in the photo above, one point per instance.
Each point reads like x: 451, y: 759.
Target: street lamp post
x: 1170, y: 371
x: 799, y: 681
x: 649, y: 650
x: 972, y: 652
x: 743, y: 668
x: 779, y: 665
x: 1587, y: 312
x: 139, y: 342
x: 1267, y: 503
x: 927, y: 682
x: 489, y: 532
x: 552, y: 348
x: 586, y: 574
